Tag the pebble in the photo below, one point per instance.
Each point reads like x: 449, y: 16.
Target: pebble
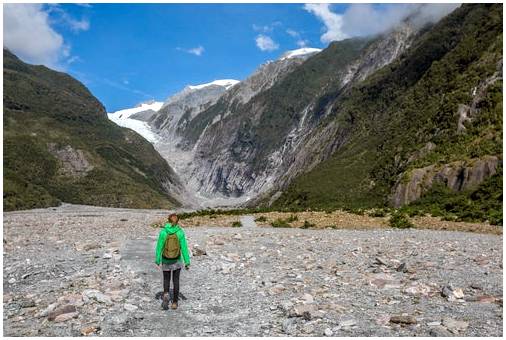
x: 403, y: 319
x: 455, y: 326
x: 12, y: 280
x: 328, y: 332
x: 130, y: 308
x: 67, y: 309
x: 66, y: 317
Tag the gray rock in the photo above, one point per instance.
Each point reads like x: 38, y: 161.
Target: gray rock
x: 289, y: 326
x: 328, y: 332
x: 67, y: 309
x: 439, y: 331
x: 455, y: 326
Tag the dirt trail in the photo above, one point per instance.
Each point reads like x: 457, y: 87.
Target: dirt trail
x: 96, y: 265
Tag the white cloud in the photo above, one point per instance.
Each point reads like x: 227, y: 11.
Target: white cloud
x: 292, y: 33
x: 302, y: 43
x: 265, y: 43
x: 75, y: 25
x: 198, y: 51
x: 267, y: 28
x: 333, y: 22
x: 367, y: 19
x: 27, y: 34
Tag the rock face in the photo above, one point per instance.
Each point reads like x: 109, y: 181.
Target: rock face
x: 242, y: 146
x: 456, y: 176
x: 74, y: 162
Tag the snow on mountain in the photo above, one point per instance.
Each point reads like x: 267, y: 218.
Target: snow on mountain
x: 227, y: 83
x: 122, y: 118
x: 299, y: 52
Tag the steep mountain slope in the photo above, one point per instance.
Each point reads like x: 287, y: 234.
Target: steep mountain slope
x: 242, y: 148
x: 60, y: 146
x: 433, y: 117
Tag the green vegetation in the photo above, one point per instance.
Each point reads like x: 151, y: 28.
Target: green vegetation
x: 480, y: 204
x: 236, y: 224
x: 46, y: 111
x: 261, y: 219
x: 400, y: 220
x: 307, y: 225
x: 292, y: 218
x: 280, y: 223
x: 386, y: 119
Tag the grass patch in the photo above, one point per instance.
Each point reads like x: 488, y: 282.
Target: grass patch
x: 307, y: 225
x: 400, y: 220
x: 236, y: 224
x: 280, y: 223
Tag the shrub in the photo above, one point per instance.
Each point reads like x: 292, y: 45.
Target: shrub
x: 292, y: 218
x: 400, y: 220
x: 307, y: 225
x: 280, y: 223
x: 236, y: 224
x: 261, y: 219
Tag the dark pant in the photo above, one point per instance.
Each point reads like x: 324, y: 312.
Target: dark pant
x: 175, y: 282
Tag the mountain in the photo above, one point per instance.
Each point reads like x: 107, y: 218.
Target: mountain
x: 424, y: 130
x: 134, y: 118
x: 59, y: 146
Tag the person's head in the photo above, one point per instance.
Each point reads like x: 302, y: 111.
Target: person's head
x: 173, y: 219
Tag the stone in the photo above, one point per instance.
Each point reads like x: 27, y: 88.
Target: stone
x: 237, y: 237
x: 482, y: 299
x: 289, y: 326
x: 433, y: 323
x: 277, y: 289
x: 447, y: 291
x: 107, y: 256
x: 130, y: 308
x: 48, y: 310
x: 439, y: 331
x: 226, y: 268
x: 455, y: 326
x: 403, y: 319
x: 300, y: 309
x: 458, y: 293
x: 307, y: 328
x: 381, y: 261
x: 67, y: 309
x: 27, y: 303
x: 89, y: 330
x: 404, y: 268
x: 308, y: 298
x: 66, y: 317
x: 218, y: 242
x: 198, y: 250
x: 97, y: 296
x: 12, y: 280
x: 347, y: 323
x: 418, y: 289
x: 328, y: 332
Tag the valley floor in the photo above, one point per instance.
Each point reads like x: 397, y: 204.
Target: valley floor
x: 76, y: 270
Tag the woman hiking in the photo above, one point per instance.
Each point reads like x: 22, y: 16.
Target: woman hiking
x: 171, y: 252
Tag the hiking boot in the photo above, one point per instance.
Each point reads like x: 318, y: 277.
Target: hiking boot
x: 174, y: 305
x: 165, y: 302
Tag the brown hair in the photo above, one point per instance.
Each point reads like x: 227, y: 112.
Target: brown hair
x: 173, y: 215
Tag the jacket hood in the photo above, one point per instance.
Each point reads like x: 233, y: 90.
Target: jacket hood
x: 172, y: 229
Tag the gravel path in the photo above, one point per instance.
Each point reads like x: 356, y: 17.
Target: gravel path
x: 77, y: 270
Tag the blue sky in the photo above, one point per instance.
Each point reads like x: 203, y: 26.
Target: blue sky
x: 129, y: 53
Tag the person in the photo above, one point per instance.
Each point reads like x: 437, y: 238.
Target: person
x: 171, y: 251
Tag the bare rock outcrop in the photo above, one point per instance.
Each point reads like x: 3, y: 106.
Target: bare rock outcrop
x: 457, y: 176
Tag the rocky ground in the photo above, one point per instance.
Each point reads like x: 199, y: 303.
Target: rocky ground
x: 78, y: 270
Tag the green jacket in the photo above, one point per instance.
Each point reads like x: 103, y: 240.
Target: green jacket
x: 169, y: 230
